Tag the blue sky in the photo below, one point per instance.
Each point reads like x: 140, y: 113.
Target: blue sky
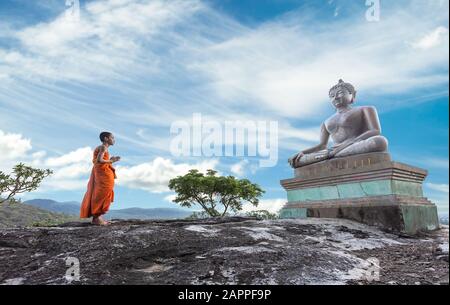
x: 135, y: 67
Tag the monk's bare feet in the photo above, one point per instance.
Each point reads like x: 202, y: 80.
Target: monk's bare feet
x: 99, y: 221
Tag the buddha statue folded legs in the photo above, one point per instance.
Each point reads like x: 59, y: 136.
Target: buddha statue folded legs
x: 372, y: 144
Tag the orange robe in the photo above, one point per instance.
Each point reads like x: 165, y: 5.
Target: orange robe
x: 100, y: 191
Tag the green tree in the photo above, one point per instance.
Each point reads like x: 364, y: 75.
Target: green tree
x: 212, y: 192
x: 23, y: 179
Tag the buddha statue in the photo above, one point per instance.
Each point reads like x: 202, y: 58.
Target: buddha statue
x: 354, y: 130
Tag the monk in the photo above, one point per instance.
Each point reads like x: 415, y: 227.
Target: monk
x: 100, y: 189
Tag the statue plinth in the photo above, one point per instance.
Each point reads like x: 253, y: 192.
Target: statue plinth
x: 369, y: 188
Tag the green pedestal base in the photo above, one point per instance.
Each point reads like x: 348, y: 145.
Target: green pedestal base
x: 293, y: 213
x: 419, y: 218
x: 409, y: 219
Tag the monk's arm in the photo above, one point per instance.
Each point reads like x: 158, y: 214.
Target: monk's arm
x: 100, y: 155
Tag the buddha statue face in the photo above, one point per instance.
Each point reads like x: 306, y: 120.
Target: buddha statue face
x: 342, y: 95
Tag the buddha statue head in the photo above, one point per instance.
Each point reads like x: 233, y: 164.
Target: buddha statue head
x: 342, y: 94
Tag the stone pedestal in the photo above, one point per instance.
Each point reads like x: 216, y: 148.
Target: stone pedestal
x: 369, y: 188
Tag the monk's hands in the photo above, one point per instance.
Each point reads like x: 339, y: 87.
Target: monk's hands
x: 295, y: 159
x: 114, y: 159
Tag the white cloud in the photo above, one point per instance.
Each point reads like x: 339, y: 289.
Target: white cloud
x: 57, y: 185
x: 306, y: 134
x: 77, y: 170
x: 439, y: 194
x: 79, y: 155
x: 287, y: 66
x: 442, y: 202
x: 239, y: 168
x: 145, y: 52
x: 245, y: 167
x: 436, y: 162
x: 71, y: 170
x: 107, y: 41
x: 39, y: 154
x: 433, y: 39
x: 13, y: 145
x: 271, y: 205
x: 154, y: 176
x: 284, y: 66
x: 170, y: 198
x: 438, y: 187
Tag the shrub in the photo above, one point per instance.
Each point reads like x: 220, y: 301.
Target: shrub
x: 23, y: 179
x: 262, y: 214
x: 214, y: 193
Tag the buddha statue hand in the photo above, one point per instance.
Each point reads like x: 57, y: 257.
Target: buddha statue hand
x: 293, y: 161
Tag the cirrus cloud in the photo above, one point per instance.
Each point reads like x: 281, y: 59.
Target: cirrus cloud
x: 433, y: 39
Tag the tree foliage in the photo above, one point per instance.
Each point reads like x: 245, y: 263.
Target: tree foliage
x: 215, y: 194
x: 22, y: 179
x: 262, y: 214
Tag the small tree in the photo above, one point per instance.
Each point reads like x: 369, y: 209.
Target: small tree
x: 211, y: 191
x: 262, y: 214
x: 23, y: 179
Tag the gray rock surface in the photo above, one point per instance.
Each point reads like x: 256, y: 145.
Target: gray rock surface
x: 227, y: 251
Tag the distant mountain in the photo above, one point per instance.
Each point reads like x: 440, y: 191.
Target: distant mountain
x: 73, y: 208
x: 155, y: 213
x: 69, y: 207
x: 23, y: 215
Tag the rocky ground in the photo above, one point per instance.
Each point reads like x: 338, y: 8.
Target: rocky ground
x: 228, y: 251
